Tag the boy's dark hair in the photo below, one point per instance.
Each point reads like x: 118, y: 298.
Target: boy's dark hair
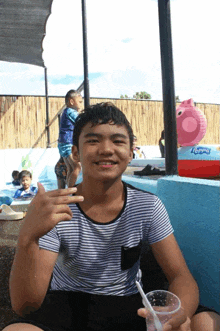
x: 14, y: 173
x: 101, y: 113
x: 71, y: 94
x: 24, y: 173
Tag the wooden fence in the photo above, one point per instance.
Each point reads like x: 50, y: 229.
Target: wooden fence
x: 23, y: 120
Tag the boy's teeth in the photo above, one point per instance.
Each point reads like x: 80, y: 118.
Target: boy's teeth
x: 105, y: 163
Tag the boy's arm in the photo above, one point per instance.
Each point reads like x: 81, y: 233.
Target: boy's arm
x: 72, y: 114
x: 181, y: 282
x: 32, y: 267
x: 30, y: 276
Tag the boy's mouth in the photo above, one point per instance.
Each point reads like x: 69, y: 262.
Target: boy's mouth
x: 105, y: 164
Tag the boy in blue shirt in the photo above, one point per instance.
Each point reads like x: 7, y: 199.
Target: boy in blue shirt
x: 74, y: 103
x: 27, y: 190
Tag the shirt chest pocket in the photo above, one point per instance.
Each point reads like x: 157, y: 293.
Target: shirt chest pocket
x: 129, y: 255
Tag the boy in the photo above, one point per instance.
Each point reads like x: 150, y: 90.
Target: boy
x: 27, y: 190
x: 74, y: 104
x: 15, y: 176
x: 91, y: 248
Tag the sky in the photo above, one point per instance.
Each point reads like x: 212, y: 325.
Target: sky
x: 124, y: 51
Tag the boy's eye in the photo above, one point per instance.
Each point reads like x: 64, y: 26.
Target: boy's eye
x: 119, y: 141
x: 92, y: 141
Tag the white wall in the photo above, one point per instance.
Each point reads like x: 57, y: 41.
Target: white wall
x: 40, y: 161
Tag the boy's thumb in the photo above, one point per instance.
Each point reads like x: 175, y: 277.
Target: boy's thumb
x: 41, y: 188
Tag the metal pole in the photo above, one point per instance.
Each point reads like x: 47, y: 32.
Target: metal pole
x: 47, y: 108
x: 169, y: 103
x: 85, y: 55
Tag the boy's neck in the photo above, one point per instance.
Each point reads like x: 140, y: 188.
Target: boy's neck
x: 69, y: 105
x: 101, y: 192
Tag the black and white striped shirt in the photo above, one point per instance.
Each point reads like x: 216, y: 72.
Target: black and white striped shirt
x: 99, y: 258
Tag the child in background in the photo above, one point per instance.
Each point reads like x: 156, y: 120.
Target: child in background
x: 27, y: 190
x: 138, y: 153
x: 162, y: 144
x: 74, y: 102
x: 15, y: 176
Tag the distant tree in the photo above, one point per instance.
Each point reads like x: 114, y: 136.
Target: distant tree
x: 123, y: 96
x: 177, y: 98
x: 142, y: 95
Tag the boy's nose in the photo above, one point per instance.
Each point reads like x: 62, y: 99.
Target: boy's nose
x: 106, y: 147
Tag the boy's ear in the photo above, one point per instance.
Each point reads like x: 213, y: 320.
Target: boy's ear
x: 72, y: 101
x: 75, y: 153
x: 131, y: 154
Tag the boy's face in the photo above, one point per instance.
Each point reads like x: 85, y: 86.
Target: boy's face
x: 76, y: 103
x: 16, y: 176
x: 104, y: 151
x: 26, y: 182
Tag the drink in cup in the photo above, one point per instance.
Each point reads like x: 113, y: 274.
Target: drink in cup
x: 165, y: 304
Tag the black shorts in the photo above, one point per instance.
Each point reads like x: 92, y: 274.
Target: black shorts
x: 76, y: 311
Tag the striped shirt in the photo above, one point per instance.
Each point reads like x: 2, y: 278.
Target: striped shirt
x: 103, y: 258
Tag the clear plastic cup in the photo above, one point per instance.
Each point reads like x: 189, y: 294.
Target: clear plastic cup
x: 165, y: 304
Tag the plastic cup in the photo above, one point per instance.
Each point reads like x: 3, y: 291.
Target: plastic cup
x: 165, y: 304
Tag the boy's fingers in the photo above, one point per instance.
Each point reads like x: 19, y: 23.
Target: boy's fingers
x: 62, y: 192
x: 62, y: 217
x: 41, y: 189
x: 179, y: 319
x: 143, y: 312
x: 68, y: 199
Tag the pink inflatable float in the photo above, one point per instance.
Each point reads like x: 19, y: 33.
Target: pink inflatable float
x: 191, y: 124
x: 202, y: 161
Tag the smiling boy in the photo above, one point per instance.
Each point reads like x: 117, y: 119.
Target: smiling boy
x: 27, y: 190
x: 86, y: 247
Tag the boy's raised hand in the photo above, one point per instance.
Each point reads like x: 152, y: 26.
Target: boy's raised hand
x: 46, y: 210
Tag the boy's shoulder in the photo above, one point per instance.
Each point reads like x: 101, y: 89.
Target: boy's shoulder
x: 133, y: 192
x: 20, y: 189
x: 71, y: 111
x: 33, y: 188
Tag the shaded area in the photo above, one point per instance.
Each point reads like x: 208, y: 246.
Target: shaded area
x: 22, y: 26
x: 6, y: 259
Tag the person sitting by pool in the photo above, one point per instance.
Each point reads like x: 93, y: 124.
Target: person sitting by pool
x: 138, y: 153
x: 84, y: 242
x: 15, y: 176
x: 27, y: 190
x: 73, y: 101
x: 162, y: 144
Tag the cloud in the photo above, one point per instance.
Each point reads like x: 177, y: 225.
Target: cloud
x: 124, y: 50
